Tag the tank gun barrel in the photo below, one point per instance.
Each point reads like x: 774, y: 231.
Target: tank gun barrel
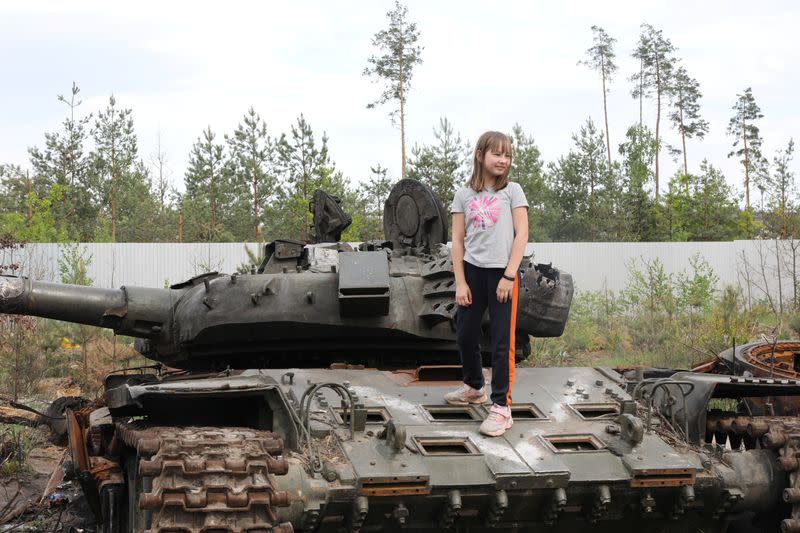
x: 141, y: 312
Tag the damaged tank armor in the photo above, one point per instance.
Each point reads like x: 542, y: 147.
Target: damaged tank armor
x: 309, y: 398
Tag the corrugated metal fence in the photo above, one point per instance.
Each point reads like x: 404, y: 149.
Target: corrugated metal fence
x: 759, y: 267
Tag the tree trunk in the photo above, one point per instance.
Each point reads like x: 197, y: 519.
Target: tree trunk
x: 402, y: 121
x: 746, y: 167
x: 401, y: 82
x: 113, y: 208
x: 180, y: 226
x: 605, y: 112
x: 794, y: 274
x: 113, y: 192
x: 255, y: 207
x: 641, y: 88
x: 30, y: 200
x: 683, y: 140
x: 658, y: 123
x: 780, y: 282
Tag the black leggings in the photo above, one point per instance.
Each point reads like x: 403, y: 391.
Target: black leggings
x: 482, y: 284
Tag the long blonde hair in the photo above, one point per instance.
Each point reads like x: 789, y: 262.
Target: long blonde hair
x: 491, y: 140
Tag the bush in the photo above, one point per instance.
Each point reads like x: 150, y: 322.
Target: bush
x: 659, y: 319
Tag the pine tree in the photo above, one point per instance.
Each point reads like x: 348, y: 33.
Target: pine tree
x: 527, y: 169
x: 569, y: 199
x: 589, y: 147
x: 747, y: 139
x: 251, y: 151
x: 638, y: 153
x: 440, y: 165
x: 400, y: 53
x: 782, y: 216
x: 63, y: 161
x: 600, y: 58
x: 578, y: 186
x: 702, y: 207
x: 304, y: 166
x: 114, y: 155
x: 655, y: 53
x: 207, y: 188
x: 372, y: 196
x: 685, y: 115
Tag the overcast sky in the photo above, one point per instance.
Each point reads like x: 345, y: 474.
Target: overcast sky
x: 487, y: 65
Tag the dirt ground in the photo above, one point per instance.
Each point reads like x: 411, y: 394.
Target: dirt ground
x: 21, y: 505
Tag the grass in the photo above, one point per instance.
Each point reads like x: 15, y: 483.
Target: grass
x: 618, y: 332
x: 16, y: 442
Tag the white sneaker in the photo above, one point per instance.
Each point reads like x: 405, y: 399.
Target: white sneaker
x: 498, y: 421
x: 465, y: 395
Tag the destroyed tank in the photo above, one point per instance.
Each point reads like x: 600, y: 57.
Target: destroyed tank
x: 307, y: 396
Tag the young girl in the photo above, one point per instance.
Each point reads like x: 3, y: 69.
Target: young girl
x: 490, y: 230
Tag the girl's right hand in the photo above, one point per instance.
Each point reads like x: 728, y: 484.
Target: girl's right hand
x: 463, y: 295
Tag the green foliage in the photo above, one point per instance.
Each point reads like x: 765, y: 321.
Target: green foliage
x: 747, y: 139
x: 73, y: 264
x: 304, y: 166
x: 400, y: 54
x: 527, y: 169
x: 113, y: 158
x: 252, y: 173
x: 39, y: 223
x: 582, y: 190
x: 600, y: 56
x: 16, y: 443
x: 441, y: 165
x: 63, y: 161
x: 700, y: 207
x: 638, y: 153
x: 208, y: 190
x: 368, y: 215
x: 781, y: 217
x: 659, y: 319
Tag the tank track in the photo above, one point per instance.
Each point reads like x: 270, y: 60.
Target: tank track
x: 210, y: 479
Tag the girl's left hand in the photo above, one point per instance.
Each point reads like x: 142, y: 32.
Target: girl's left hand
x: 504, y: 289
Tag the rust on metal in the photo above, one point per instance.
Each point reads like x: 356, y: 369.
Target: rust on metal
x: 200, y: 474
x: 663, y: 478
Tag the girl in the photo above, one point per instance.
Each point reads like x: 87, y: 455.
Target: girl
x: 490, y: 230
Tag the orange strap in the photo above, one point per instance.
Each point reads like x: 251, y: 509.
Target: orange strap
x: 512, y: 339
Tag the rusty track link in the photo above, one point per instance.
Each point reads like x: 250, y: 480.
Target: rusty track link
x: 210, y: 480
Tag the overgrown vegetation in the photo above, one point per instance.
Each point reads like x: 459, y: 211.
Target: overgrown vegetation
x: 32, y: 349
x: 16, y: 442
x: 660, y: 319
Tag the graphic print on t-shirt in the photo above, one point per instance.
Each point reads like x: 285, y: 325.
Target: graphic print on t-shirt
x: 483, y: 211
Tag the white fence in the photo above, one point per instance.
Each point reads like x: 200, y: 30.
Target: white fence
x: 759, y: 267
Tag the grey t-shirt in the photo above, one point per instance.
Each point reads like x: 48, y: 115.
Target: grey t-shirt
x: 489, y: 225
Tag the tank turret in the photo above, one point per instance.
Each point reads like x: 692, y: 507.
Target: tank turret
x: 386, y: 304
